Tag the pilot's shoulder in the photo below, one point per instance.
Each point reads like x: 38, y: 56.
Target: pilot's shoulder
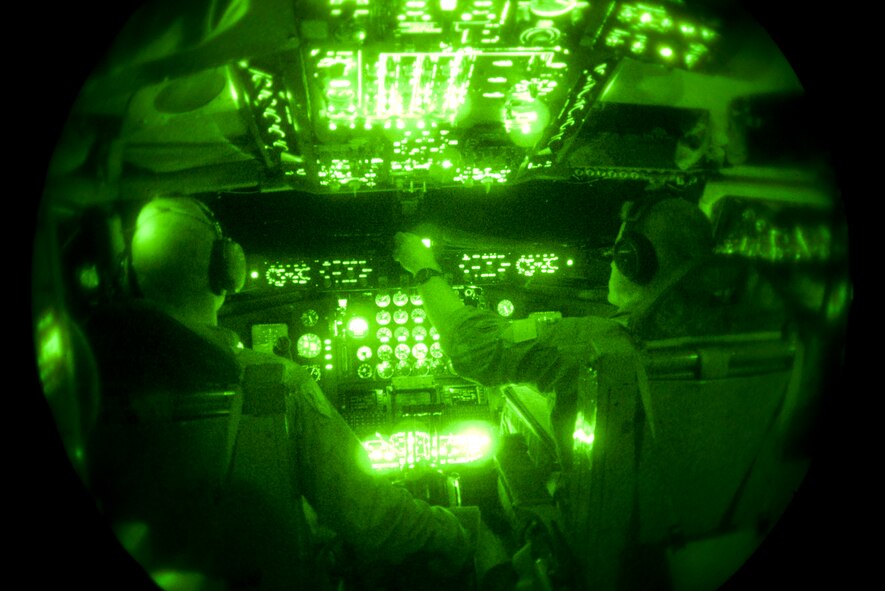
x: 294, y: 376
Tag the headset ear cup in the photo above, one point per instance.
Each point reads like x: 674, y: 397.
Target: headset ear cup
x: 635, y: 258
x: 227, y: 268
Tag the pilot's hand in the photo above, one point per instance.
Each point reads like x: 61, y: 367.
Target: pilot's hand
x: 413, y: 254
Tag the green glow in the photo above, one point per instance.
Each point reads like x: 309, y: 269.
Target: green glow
x: 254, y: 274
x: 838, y: 302
x: 309, y: 345
x: 364, y: 353
x: 569, y: 263
x: 528, y: 265
x: 419, y: 351
x: 582, y: 437
x: 552, y: 8
x: 358, y: 326
x: 409, y: 448
x: 50, y: 356
x: 666, y: 52
x: 584, y: 434
x: 426, y: 242
x: 448, y: 5
x: 505, y: 308
x: 89, y: 277
x: 328, y: 366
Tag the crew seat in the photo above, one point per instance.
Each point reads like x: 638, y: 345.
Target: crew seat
x: 189, y: 461
x: 693, y: 419
x: 684, y: 446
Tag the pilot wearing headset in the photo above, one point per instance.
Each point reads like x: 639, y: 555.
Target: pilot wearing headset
x: 658, y: 243
x: 181, y: 263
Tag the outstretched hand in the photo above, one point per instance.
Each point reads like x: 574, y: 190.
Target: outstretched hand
x: 412, y: 253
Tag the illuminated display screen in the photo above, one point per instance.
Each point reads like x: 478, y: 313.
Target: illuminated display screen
x: 406, y: 449
x: 414, y: 93
x: 491, y: 267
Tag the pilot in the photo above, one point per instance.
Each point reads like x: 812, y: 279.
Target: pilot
x: 175, y: 243
x: 658, y: 243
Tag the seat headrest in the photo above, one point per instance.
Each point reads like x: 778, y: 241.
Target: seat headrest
x: 141, y: 348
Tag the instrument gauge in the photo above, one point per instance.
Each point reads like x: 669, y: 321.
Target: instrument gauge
x: 384, y: 334
x: 436, y: 351
x: 402, y: 351
x: 401, y: 333
x: 382, y: 300
x: 384, y: 370
x: 419, y: 333
x: 400, y: 298
x: 364, y: 371
x: 364, y: 353
x: 403, y: 368
x: 505, y: 308
x: 309, y: 318
x: 419, y: 351
x: 419, y: 315
x: 382, y: 317
x: 385, y: 352
x: 400, y: 316
x: 422, y: 367
x: 309, y: 345
x: 416, y: 299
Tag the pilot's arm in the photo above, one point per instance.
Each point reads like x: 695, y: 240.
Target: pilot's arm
x: 493, y: 350
x: 382, y: 521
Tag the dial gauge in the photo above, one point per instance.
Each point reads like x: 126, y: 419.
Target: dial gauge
x: 309, y: 318
x: 419, y: 333
x: 382, y: 300
x: 419, y: 351
x: 418, y: 315
x: 436, y: 351
x: 384, y: 334
x: 400, y: 298
x: 401, y: 333
x: 402, y: 351
x: 400, y: 316
x: 403, y: 368
x: 385, y: 353
x: 382, y: 317
x: 364, y: 371
x: 421, y: 368
x: 309, y: 345
x: 416, y: 299
x: 505, y: 308
x: 384, y: 370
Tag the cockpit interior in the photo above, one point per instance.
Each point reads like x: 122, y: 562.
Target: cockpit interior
x: 508, y: 134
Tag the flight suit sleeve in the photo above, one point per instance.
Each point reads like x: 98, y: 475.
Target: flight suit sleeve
x: 548, y: 354
x: 381, y: 520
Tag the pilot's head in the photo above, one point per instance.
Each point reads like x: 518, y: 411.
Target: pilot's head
x: 655, y: 243
x: 182, y: 261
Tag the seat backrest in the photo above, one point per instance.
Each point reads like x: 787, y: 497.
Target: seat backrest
x: 195, y: 447
x: 686, y: 449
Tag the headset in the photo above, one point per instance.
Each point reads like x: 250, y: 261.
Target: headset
x: 227, y: 262
x: 633, y: 253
